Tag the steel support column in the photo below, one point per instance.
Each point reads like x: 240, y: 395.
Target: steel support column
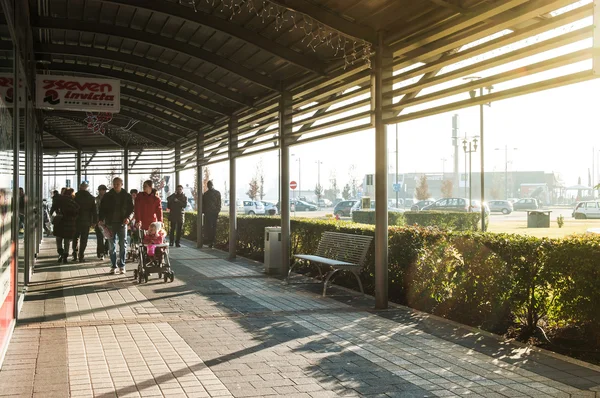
x: 233, y: 129
x: 382, y: 70
x: 596, y: 37
x: 199, y: 178
x: 27, y: 228
x: 285, y: 129
x: 177, y: 164
x: 125, y: 169
x: 483, y: 215
x: 78, y: 171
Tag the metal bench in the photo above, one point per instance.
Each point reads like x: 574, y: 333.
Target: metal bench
x: 337, y: 252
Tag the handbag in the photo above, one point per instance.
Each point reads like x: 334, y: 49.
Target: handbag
x: 57, y: 219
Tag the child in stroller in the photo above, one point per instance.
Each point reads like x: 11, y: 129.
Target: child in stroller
x: 153, y: 255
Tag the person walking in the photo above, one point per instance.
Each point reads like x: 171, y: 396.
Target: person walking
x: 87, y: 218
x: 148, y: 208
x: 101, y: 241
x: 116, y: 211
x: 21, y: 209
x: 211, y: 206
x: 176, y: 203
x: 65, y: 222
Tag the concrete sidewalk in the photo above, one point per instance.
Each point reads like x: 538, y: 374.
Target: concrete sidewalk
x: 225, y: 329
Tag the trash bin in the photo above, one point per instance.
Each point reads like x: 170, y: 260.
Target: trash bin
x: 538, y: 219
x: 273, y: 250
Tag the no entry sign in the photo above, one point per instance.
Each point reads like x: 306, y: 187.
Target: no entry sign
x: 293, y: 184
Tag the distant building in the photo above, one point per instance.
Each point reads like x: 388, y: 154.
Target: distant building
x: 520, y: 184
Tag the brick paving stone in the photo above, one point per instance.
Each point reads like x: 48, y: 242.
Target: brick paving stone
x: 223, y: 329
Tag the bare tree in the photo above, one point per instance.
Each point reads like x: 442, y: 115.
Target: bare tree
x: 157, y: 179
x: 253, y: 189
x: 318, y: 192
x: 352, y: 174
x: 205, y: 179
x: 447, y: 189
x: 422, y: 190
x: 346, y: 192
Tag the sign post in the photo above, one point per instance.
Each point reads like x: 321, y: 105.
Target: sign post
x: 293, y: 186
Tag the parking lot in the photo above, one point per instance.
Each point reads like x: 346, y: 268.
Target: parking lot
x: 516, y: 222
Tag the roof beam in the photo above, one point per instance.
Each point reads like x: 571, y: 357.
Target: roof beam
x: 61, y: 138
x: 450, y: 6
x: 161, y: 140
x: 164, y: 103
x: 88, y: 161
x: 145, y: 81
x: 304, y: 61
x: 455, y: 25
x: 136, y: 159
x: 166, y: 129
x: 159, y: 41
x: 155, y: 113
x: 330, y: 19
x: 146, y: 63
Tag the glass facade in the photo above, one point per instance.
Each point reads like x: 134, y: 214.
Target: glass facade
x: 20, y: 168
x: 7, y: 243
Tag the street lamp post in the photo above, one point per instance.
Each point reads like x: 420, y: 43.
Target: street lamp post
x: 443, y: 167
x: 473, y: 94
x: 319, y: 163
x: 471, y: 144
x: 299, y: 186
x: 505, y: 169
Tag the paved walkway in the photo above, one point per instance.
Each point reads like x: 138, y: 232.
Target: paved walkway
x: 224, y: 329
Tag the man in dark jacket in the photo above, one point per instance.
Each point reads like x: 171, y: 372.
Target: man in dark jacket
x: 211, y: 206
x: 101, y: 242
x: 116, y: 211
x: 87, y: 217
x: 65, y: 222
x: 176, y: 203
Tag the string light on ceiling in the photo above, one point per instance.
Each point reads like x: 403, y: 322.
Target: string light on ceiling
x: 316, y: 34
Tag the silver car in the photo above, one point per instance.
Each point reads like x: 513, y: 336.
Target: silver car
x: 500, y: 206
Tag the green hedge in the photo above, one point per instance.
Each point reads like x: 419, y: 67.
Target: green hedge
x: 368, y: 217
x: 456, y: 221
x: 488, y: 280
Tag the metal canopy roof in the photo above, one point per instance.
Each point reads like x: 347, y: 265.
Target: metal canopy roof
x: 186, y: 66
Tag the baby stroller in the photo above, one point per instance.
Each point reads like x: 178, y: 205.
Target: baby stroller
x: 134, y: 241
x: 147, y: 263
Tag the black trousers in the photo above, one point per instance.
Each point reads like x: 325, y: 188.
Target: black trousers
x: 62, y: 246
x: 210, y: 227
x: 101, y: 244
x: 175, y: 230
x: 82, y: 233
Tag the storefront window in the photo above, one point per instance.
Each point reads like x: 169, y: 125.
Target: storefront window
x: 7, y: 244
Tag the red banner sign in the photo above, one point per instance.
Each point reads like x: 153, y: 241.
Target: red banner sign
x: 78, y: 93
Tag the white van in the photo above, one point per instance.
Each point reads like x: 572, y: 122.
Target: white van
x: 250, y: 207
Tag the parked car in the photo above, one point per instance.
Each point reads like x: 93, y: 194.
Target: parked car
x: 588, y: 209
x: 527, y: 204
x: 476, y: 207
x: 343, y: 209
x: 500, y: 206
x: 270, y: 208
x: 421, y: 204
x: 449, y: 204
x: 325, y: 203
x: 358, y: 206
x: 164, y: 205
x: 250, y: 207
x: 300, y: 205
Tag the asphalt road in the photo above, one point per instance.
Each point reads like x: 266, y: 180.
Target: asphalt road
x: 494, y: 217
